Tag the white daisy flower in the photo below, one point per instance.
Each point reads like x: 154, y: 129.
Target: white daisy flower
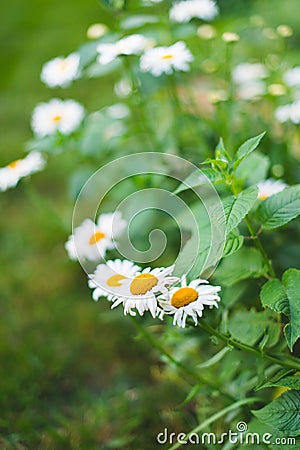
x: 189, y: 300
x: 292, y: 77
x: 140, y: 292
x: 130, y: 45
x: 269, y: 187
x: 290, y: 112
x: 13, y: 172
x: 186, y: 10
x: 161, y: 60
x: 64, y: 116
x: 108, y: 278
x: 247, y: 91
x: 248, y: 72
x: 61, y: 71
x: 90, y: 240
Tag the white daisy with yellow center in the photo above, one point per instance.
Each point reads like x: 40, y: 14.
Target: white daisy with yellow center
x: 107, y: 280
x: 140, y: 291
x: 57, y: 115
x: 269, y: 187
x: 60, y: 71
x: 186, y: 10
x: 130, y: 45
x: 166, y: 60
x: 14, y: 171
x: 90, y: 241
x: 189, y: 300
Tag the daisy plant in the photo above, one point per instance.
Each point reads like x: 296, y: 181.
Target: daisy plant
x: 185, y: 83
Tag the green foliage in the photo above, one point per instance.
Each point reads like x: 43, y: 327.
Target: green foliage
x: 283, y: 297
x: 279, y: 209
x: 246, y: 148
x: 282, y: 414
x: 249, y: 327
x: 245, y: 263
x: 236, y: 208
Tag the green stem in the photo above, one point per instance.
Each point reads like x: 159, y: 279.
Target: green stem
x: 260, y: 247
x: 284, y: 362
x: 217, y: 416
x: 154, y: 342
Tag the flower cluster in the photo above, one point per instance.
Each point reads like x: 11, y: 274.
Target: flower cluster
x: 124, y: 283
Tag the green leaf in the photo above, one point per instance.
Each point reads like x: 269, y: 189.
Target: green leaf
x: 291, y: 381
x: 246, y: 148
x: 279, y: 209
x: 253, y: 169
x: 250, y: 326
x: 273, y: 296
x: 235, y: 209
x: 291, y: 283
x: 234, y: 242
x: 199, y: 178
x: 245, y: 263
x: 284, y: 298
x: 221, y: 152
x: 283, y: 413
x: 214, y: 359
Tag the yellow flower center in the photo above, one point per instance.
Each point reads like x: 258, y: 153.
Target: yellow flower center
x: 263, y: 197
x: 167, y: 57
x: 143, y: 283
x: 14, y: 164
x: 56, y: 118
x: 96, y: 237
x: 184, y: 296
x: 115, y: 280
x: 63, y: 65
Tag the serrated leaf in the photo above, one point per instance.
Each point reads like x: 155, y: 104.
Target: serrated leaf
x: 273, y: 296
x: 279, y: 209
x: 250, y: 326
x: 291, y: 283
x: 246, y: 148
x: 199, y: 178
x: 291, y: 381
x: 283, y: 297
x: 245, y: 263
x: 253, y: 169
x: 236, y: 208
x: 283, y: 413
x: 233, y: 243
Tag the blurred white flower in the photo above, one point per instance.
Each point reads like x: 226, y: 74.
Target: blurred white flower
x: 13, y: 172
x: 269, y: 187
x: 123, y: 88
x: 284, y: 31
x: 247, y: 91
x: 118, y: 111
x: 206, y: 32
x: 292, y: 77
x: 189, y: 300
x: 64, y: 116
x: 140, y: 292
x: 161, y: 60
x: 90, y: 240
x: 130, y: 45
x: 108, y: 278
x: 184, y: 11
x: 277, y: 89
x: 96, y: 30
x: 61, y: 71
x: 246, y: 72
x: 230, y: 37
x: 290, y: 112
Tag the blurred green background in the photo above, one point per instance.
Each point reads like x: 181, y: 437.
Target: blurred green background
x: 72, y: 375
